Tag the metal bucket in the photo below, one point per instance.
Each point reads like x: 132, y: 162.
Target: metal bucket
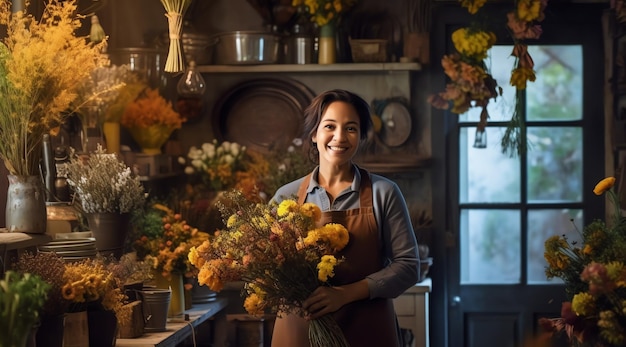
x: 246, y: 47
x: 156, y: 303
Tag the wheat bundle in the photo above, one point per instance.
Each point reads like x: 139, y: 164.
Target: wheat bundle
x: 175, y: 10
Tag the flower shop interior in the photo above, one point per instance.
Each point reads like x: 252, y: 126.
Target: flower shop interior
x: 496, y: 119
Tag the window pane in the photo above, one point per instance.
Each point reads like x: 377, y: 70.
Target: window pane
x: 502, y: 107
x: 486, y: 174
x: 490, y: 251
x: 557, y: 92
x: 543, y: 224
x: 555, y: 164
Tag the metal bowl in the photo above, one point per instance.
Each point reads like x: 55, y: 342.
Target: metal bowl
x: 246, y: 48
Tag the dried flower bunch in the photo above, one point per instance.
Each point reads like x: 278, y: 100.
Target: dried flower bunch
x: 90, y: 282
x: 266, y: 172
x: 471, y: 85
x: 42, y: 64
x: 325, y: 12
x: 49, y: 267
x: 22, y: 297
x: 280, y: 253
x: 167, y: 250
x: 100, y: 90
x: 103, y: 183
x: 215, y: 164
x: 594, y: 274
x: 150, y: 108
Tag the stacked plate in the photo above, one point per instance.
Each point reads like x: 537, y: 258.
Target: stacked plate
x: 71, y: 249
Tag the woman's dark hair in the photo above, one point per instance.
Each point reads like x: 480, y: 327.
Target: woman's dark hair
x: 313, y: 113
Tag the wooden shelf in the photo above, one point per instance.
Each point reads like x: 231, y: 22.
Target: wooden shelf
x: 10, y: 241
x: 346, y: 67
x: 177, y: 330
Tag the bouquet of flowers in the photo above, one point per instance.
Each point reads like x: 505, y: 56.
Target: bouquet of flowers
x: 595, y: 280
x: 42, y: 63
x: 91, y: 282
x: 151, y: 119
x: 214, y: 164
x: 280, y: 254
x: 50, y: 267
x: 325, y: 12
x: 103, y: 183
x: 168, y: 246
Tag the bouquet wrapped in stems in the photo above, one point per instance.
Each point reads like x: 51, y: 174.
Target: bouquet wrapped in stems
x: 281, y: 255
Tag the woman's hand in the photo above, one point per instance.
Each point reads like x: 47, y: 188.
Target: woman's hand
x: 325, y: 300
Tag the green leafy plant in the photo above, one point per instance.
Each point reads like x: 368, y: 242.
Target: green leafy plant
x: 22, y: 296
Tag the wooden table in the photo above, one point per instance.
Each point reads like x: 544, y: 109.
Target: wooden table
x: 177, y: 330
x: 15, y: 242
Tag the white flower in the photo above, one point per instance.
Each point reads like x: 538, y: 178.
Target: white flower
x: 228, y: 159
x: 181, y: 160
x: 197, y: 163
x: 189, y: 170
x: 234, y: 149
x: 291, y: 149
x: 297, y: 142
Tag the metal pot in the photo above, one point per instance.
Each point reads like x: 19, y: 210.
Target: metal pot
x: 246, y: 47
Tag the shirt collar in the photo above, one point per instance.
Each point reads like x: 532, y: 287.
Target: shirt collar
x: 356, y: 182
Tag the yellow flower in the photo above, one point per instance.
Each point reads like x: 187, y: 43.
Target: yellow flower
x: 604, y: 185
x: 472, y: 5
x: 254, y: 304
x: 473, y: 43
x: 528, y: 10
x: 584, y: 304
x: 286, y: 207
x: 520, y: 76
x: 311, y: 210
x: 326, y: 267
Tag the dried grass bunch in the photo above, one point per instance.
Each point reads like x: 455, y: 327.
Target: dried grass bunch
x: 42, y: 63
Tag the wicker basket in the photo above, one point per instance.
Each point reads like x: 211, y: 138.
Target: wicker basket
x: 368, y: 51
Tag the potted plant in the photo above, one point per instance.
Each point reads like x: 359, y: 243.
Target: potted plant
x: 42, y: 62
x: 107, y: 191
x: 50, y: 267
x: 22, y: 296
x: 150, y: 119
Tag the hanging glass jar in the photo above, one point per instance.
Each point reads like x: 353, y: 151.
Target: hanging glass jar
x: 190, y: 90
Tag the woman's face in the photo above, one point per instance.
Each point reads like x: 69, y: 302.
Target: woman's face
x: 338, y: 134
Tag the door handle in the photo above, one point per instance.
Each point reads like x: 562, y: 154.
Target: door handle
x: 456, y: 301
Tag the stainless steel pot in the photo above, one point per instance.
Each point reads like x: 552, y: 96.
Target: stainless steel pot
x: 246, y: 47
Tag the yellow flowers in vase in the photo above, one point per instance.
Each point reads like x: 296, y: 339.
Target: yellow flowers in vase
x: 42, y: 64
x: 151, y: 119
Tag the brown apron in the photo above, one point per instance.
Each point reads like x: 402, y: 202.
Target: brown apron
x: 364, y: 322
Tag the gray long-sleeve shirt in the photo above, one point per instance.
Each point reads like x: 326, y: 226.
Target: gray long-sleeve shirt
x: 401, y: 256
